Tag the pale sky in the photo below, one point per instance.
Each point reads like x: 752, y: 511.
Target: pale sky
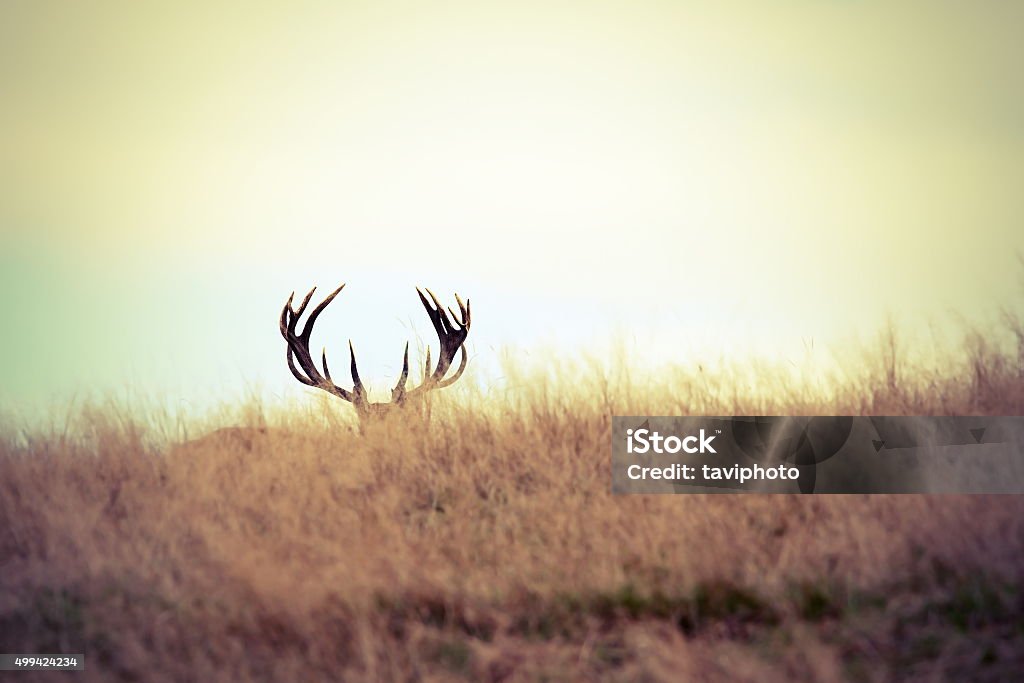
x: 734, y: 177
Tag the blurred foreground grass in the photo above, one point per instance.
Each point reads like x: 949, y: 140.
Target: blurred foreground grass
x: 484, y: 544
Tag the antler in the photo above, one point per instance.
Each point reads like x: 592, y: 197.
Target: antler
x: 298, y: 351
x: 451, y: 333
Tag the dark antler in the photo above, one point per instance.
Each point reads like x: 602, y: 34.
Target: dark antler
x: 298, y: 351
x: 452, y: 333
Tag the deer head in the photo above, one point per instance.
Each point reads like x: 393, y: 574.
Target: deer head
x: 451, y: 332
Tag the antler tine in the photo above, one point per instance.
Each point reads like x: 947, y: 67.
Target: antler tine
x: 285, y: 315
x: 405, y: 367
x: 458, y: 373
x: 305, y: 302
x: 291, y: 315
x: 464, y: 312
x: 426, y: 304
x: 433, y: 312
x: 433, y: 297
x: 357, y: 384
x: 398, y: 393
x: 295, y: 372
x: 307, y: 329
x: 442, y: 315
x: 323, y: 360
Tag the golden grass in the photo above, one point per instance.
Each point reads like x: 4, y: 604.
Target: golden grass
x: 485, y: 544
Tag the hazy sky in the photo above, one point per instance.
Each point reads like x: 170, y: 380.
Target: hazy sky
x: 726, y: 175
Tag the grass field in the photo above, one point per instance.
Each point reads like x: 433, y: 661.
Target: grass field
x: 484, y: 545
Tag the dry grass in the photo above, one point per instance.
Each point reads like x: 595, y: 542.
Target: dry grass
x: 486, y: 546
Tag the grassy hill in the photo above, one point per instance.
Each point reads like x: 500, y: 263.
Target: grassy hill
x: 485, y: 545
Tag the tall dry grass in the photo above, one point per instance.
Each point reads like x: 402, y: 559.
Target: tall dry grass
x: 484, y: 544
